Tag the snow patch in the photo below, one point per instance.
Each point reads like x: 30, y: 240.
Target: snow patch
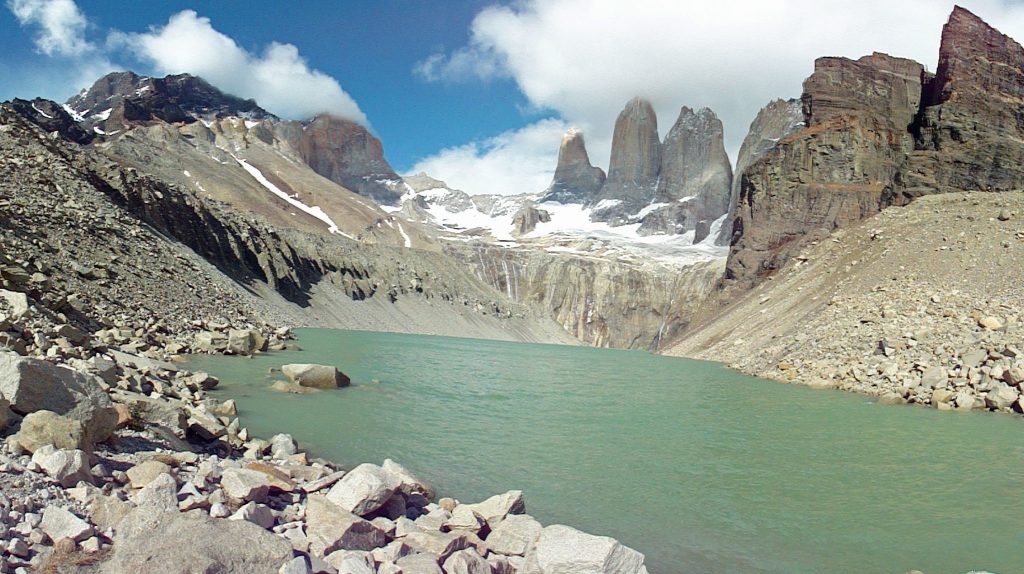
x: 41, y: 112
x: 315, y: 210
x: 606, y: 203
x: 104, y: 115
x: 648, y: 210
x: 408, y: 240
x: 74, y: 114
x: 187, y: 174
x: 249, y: 124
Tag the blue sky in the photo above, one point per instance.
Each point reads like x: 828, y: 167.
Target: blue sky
x: 370, y: 46
x: 476, y: 92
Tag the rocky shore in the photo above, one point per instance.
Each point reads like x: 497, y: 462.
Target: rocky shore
x: 919, y: 304
x: 109, y: 441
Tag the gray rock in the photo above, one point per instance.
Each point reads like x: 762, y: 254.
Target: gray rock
x: 330, y: 527
x: 934, y: 377
x: 315, y: 376
x: 466, y: 561
x: 192, y: 542
x: 1014, y: 376
x: 18, y: 303
x: 145, y: 472
x: 297, y: 565
x: 68, y: 467
x: 464, y: 518
x: 258, y: 514
x: 8, y: 418
x: 161, y: 494
x: 974, y: 358
x: 562, y: 549
x: 1001, y: 396
x: 33, y: 385
x: 364, y: 489
x: 59, y: 523
x: 245, y: 485
x: 245, y: 341
x: 210, y: 342
x: 407, y: 482
x: 282, y: 446
x: 419, y: 564
x: 438, y: 544
x: 515, y: 535
x: 497, y: 507
x: 351, y: 561
x: 43, y: 428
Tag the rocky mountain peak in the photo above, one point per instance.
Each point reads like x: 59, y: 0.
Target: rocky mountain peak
x: 635, y: 162
x: 575, y: 179
x: 694, y: 178
x: 121, y: 99
x: 347, y: 154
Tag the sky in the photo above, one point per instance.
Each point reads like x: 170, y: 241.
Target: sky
x: 474, y: 92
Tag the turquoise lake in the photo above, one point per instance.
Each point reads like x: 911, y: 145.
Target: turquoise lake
x: 700, y: 468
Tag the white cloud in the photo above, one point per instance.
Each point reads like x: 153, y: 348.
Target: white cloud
x: 60, y: 29
x: 516, y: 161
x: 279, y: 79
x: 61, y: 25
x: 585, y: 59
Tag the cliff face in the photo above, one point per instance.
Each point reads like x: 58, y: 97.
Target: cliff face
x: 832, y: 172
x: 347, y: 154
x: 970, y: 135
x: 634, y: 166
x: 880, y: 131
x: 575, y: 179
x: 774, y: 122
x: 603, y: 302
x: 695, y: 175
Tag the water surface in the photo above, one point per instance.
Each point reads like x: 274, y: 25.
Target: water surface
x: 700, y: 468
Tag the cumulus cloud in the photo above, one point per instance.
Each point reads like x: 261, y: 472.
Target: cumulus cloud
x: 61, y: 25
x: 516, y: 161
x: 585, y: 59
x: 279, y: 79
x: 60, y: 32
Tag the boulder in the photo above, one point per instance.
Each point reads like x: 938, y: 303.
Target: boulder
x: 282, y: 446
x: 43, y: 428
x: 1001, y: 396
x: 562, y: 549
x: 286, y: 387
x: 466, y: 561
x: 258, y: 514
x: 245, y: 341
x: 160, y: 495
x: 192, y: 542
x: 8, y: 418
x: 68, y: 467
x: 330, y: 527
x: 60, y: 523
x: 418, y: 564
x: 407, y: 483
x: 497, y: 507
x: 245, y: 485
x: 145, y: 472
x: 17, y: 302
x: 515, y: 535
x: 33, y: 385
x: 438, y: 544
x: 151, y: 410
x: 210, y: 342
x: 364, y: 489
x: 315, y: 376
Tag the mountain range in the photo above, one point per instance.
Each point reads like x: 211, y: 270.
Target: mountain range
x: 628, y: 258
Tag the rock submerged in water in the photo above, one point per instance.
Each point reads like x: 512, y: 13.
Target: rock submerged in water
x: 315, y: 376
